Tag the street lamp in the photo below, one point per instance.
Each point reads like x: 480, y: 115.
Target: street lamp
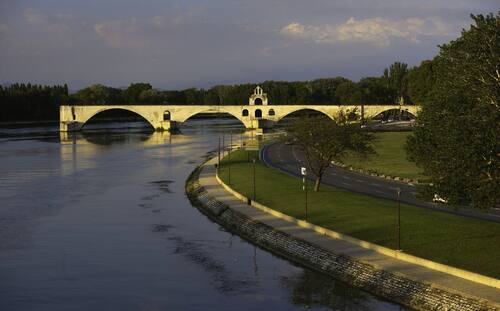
x: 303, y: 171
x: 254, y: 194
x: 399, y: 218
x: 229, y: 159
x: 218, y: 153
x: 223, y: 145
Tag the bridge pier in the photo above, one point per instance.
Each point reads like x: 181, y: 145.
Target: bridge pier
x: 166, y: 125
x: 70, y: 126
x: 258, y: 124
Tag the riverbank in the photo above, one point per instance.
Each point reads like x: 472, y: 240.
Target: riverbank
x: 335, y: 257
x: 449, y: 239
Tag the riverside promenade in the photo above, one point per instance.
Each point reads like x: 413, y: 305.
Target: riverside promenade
x: 475, y: 296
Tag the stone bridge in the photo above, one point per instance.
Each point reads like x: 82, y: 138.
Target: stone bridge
x: 257, y: 114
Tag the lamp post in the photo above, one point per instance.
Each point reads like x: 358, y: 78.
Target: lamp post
x: 229, y: 158
x: 218, y: 153
x: 399, y: 218
x: 303, y: 171
x: 223, y: 146
x: 254, y: 194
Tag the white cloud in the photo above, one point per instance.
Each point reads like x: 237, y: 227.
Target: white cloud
x: 378, y: 30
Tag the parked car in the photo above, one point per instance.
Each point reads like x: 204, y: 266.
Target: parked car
x: 438, y: 199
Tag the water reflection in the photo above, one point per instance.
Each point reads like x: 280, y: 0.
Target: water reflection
x: 99, y: 219
x: 311, y: 289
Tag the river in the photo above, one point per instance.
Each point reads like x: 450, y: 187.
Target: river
x: 99, y: 221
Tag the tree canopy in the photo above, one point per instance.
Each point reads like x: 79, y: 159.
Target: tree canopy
x: 457, y: 138
x: 323, y: 140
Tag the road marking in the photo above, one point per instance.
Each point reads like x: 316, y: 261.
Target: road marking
x: 359, y: 180
x: 376, y: 185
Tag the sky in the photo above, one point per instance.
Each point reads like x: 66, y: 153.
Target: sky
x: 200, y: 43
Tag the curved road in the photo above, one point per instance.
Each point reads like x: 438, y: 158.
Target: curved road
x: 289, y: 159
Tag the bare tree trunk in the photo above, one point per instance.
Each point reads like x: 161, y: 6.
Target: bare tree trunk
x: 317, y: 183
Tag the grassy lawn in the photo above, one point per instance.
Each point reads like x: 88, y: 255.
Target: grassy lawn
x: 462, y: 242
x: 390, y: 158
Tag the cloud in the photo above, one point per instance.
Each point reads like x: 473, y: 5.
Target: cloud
x: 3, y: 28
x: 50, y: 23
x: 378, y: 31
x: 122, y: 33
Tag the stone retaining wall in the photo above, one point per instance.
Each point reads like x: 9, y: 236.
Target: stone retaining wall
x: 390, y: 286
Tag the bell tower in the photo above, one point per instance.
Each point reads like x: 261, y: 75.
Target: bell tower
x: 258, y: 98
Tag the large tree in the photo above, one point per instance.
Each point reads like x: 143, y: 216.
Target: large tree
x: 134, y: 90
x: 323, y: 140
x: 457, y: 138
x: 421, y: 81
x: 396, y: 78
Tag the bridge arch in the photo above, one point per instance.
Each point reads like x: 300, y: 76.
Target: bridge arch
x: 237, y: 116
x: 289, y: 112
x: 372, y: 111
x: 406, y: 112
x: 101, y: 110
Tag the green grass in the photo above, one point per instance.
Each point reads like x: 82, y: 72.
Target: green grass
x: 390, y: 158
x: 462, y: 242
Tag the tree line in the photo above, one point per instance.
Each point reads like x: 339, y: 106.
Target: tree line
x: 22, y: 102
x: 28, y: 102
x: 388, y: 88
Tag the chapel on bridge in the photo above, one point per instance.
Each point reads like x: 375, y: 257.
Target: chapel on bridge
x: 258, y: 98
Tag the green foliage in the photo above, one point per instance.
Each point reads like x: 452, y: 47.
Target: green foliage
x: 374, y: 91
x: 421, y: 81
x: 396, y: 79
x: 99, y: 94
x: 323, y: 140
x: 348, y: 92
x: 457, y: 138
x: 28, y: 102
x: 133, y: 92
x: 325, y: 91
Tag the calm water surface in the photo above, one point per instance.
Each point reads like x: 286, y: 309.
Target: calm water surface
x: 100, y: 221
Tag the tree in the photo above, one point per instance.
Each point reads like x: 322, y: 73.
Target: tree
x: 150, y: 96
x: 323, y: 140
x: 457, y: 138
x: 348, y: 92
x: 396, y: 77
x: 421, y: 81
x: 134, y: 90
x: 374, y: 91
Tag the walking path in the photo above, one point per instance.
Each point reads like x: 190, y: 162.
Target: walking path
x: 415, y: 272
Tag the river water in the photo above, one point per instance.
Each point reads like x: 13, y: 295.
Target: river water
x: 99, y: 221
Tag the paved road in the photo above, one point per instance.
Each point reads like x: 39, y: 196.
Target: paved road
x: 289, y: 159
